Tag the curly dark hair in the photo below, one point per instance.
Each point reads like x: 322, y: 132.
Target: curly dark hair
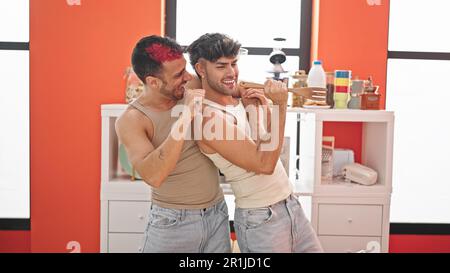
x: 211, y: 47
x: 144, y: 64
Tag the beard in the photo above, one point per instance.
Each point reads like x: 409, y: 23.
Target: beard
x: 221, y: 88
x: 172, y: 93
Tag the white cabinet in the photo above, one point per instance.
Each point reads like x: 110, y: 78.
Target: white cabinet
x: 125, y: 242
x: 124, y: 204
x: 348, y: 217
x: 128, y: 216
x: 357, y: 220
x: 348, y: 244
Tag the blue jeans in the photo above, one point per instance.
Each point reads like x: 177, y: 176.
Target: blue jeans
x: 188, y: 230
x: 281, y: 227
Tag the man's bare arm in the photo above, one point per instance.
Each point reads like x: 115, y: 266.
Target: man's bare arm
x: 260, y: 120
x: 153, y: 165
x: 244, y: 153
x: 195, y: 83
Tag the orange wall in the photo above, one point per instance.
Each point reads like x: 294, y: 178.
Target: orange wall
x: 78, y: 57
x: 351, y: 35
x: 419, y: 244
x: 15, y: 242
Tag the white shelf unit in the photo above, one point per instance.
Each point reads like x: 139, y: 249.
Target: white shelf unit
x: 125, y: 203
x: 347, y: 216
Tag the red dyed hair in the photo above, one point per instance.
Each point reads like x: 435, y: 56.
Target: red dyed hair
x: 162, y: 53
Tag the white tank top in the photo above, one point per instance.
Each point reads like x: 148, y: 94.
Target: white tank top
x: 250, y: 189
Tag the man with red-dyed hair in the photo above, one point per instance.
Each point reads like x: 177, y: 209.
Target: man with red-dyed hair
x: 188, y: 211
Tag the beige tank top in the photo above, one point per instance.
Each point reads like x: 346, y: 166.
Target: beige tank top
x: 194, y: 183
x: 250, y: 189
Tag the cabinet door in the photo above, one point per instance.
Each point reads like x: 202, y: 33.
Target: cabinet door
x: 347, y: 244
x: 128, y: 216
x: 125, y: 242
x: 352, y: 220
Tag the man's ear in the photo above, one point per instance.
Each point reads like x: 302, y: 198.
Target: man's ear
x: 153, y: 82
x: 200, y: 68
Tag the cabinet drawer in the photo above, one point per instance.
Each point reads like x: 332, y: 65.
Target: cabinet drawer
x: 125, y: 242
x: 353, y: 220
x: 346, y: 244
x: 128, y: 216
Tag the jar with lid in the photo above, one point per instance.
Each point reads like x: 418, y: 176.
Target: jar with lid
x: 356, y: 90
x: 330, y: 88
x: 301, y: 82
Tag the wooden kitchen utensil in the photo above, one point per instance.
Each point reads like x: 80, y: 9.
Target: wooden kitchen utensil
x: 314, y: 93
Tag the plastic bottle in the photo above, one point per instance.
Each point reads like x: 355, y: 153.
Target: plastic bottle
x: 317, y: 76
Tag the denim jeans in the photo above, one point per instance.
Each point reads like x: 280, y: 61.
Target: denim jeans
x: 281, y: 227
x: 188, y: 230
